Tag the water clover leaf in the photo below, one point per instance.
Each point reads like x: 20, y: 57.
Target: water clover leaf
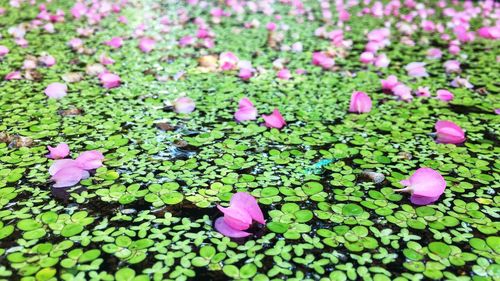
x: 440, y: 249
x: 277, y: 227
x: 352, y: 210
x: 71, y: 230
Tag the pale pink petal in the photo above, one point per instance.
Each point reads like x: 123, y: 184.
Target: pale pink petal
x: 89, y: 160
x: 223, y: 228
x: 61, y: 164
x: 69, y: 176
x: 236, y: 218
x: 247, y: 202
x: 58, y: 152
x: 245, y: 114
x: 184, y: 105
x: 56, y: 90
x: 147, y: 44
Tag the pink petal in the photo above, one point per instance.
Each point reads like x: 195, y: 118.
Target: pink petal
x: 247, y: 202
x: 360, y: 103
x: 422, y: 200
x: 60, y: 151
x: 245, y: 102
x: 90, y: 160
x: 61, y: 164
x: 56, y: 90
x: 245, y: 114
x: 449, y: 132
x: 69, y: 176
x: 427, y: 183
x: 236, y: 217
x: 274, y: 120
x: 223, y: 228
x: 147, y: 44
x: 184, y: 105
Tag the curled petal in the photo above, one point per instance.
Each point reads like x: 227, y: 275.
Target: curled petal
x: 423, y: 200
x: 236, y: 217
x: 61, y: 164
x: 427, y: 182
x: 223, y: 228
x: 248, y: 203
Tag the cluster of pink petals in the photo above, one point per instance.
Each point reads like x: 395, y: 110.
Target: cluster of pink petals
x: 416, y: 69
x: 184, y: 105
x: 246, y: 111
x: 58, y: 152
x: 109, y: 80
x: 242, y: 211
x: 360, y: 103
x: 56, y: 90
x: 449, y: 132
x: 68, y: 172
x: 274, y: 120
x: 425, y: 185
x: 246, y: 70
x: 228, y: 61
x: 489, y: 32
x: 323, y: 60
x: 423, y: 92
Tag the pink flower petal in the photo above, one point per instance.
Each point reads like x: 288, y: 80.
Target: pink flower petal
x: 236, y: 217
x: 90, y: 160
x: 184, y: 105
x: 61, y: 164
x: 56, y: 90
x: 360, y: 103
x: 247, y: 202
x: 274, y: 120
x: 69, y: 176
x: 449, y: 132
x: 427, y: 182
x: 60, y: 151
x: 422, y: 200
x: 223, y: 228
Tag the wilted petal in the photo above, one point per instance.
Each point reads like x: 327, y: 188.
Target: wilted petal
x: 247, y: 202
x: 223, y: 228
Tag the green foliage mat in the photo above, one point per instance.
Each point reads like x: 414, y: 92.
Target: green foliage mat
x: 148, y: 213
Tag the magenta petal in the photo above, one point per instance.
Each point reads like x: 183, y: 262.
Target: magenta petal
x: 245, y: 102
x: 247, y: 202
x: 422, y: 200
x: 360, y: 103
x: 69, y: 176
x: 427, y: 182
x: 274, y: 120
x: 236, y: 217
x: 223, y: 228
x: 89, y: 160
x: 449, y: 132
